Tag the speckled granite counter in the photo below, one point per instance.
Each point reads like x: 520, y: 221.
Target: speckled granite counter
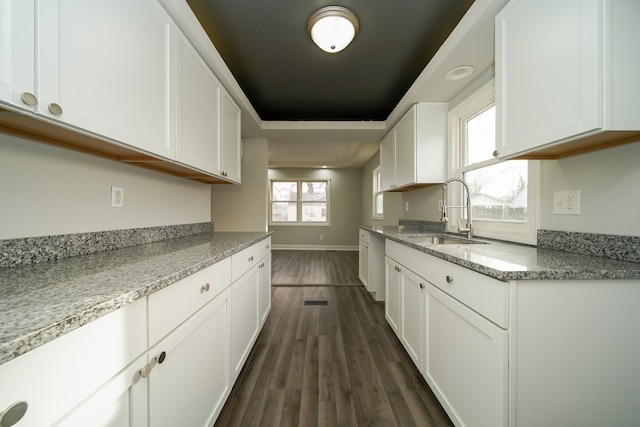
x: 40, y: 302
x: 506, y: 261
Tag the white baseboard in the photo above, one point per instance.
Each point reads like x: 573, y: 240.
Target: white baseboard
x: 314, y: 248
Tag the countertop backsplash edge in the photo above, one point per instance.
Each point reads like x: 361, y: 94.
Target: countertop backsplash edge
x: 33, y: 250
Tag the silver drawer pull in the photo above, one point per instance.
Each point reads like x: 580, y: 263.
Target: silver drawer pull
x: 13, y: 414
x: 251, y: 258
x: 449, y: 279
x: 55, y: 109
x: 29, y: 99
x: 205, y: 288
x: 421, y: 285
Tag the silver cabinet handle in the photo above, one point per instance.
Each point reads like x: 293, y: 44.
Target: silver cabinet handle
x: 495, y: 153
x: 251, y: 258
x: 205, y: 288
x: 29, y: 99
x: 55, y: 109
x: 13, y: 414
x: 449, y: 279
x: 421, y: 285
x: 146, y: 369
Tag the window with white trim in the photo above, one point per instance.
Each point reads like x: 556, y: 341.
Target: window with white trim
x: 299, y: 202
x: 378, y: 196
x: 504, y: 194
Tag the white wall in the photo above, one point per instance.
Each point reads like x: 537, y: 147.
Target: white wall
x: 609, y: 184
x: 244, y: 207
x: 48, y: 191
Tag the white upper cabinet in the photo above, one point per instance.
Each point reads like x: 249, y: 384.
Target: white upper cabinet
x: 230, y: 145
x: 17, y: 29
x: 198, y: 96
x: 105, y: 67
x: 566, y: 76
x: 413, y: 152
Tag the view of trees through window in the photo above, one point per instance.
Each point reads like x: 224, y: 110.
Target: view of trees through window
x: 498, y: 191
x: 299, y: 201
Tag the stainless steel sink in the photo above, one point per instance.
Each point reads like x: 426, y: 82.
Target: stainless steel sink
x: 441, y: 240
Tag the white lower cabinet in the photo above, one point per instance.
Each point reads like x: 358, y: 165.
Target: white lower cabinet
x: 264, y: 288
x: 412, y: 314
x: 371, y: 263
x: 189, y: 381
x: 244, y: 319
x: 462, y: 355
x: 393, y: 302
x: 363, y: 262
x: 164, y: 360
x: 122, y: 402
x: 57, y: 377
x: 466, y: 362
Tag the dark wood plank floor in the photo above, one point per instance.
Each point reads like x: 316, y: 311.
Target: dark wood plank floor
x: 334, y: 365
x: 327, y: 268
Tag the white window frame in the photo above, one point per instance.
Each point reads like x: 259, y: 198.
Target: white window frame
x: 377, y: 191
x: 520, y: 232
x: 299, y: 204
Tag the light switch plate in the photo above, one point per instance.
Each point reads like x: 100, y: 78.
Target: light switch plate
x: 566, y: 202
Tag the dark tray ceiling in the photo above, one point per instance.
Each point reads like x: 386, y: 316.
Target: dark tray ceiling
x: 286, y: 77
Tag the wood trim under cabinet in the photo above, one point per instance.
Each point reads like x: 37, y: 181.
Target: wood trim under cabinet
x: 32, y: 128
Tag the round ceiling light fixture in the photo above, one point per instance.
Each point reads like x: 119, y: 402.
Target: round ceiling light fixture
x: 459, y: 73
x: 332, y: 28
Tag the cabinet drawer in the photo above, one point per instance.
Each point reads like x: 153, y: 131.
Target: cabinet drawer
x: 171, y: 306
x: 487, y: 296
x: 56, y: 377
x: 244, y: 260
x: 365, y: 236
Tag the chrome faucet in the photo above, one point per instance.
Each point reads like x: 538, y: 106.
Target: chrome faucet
x: 468, y: 229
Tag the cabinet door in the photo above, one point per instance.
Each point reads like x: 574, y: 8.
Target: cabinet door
x: 264, y: 278
x: 554, y: 90
x: 388, y: 161
x: 466, y: 362
x: 122, y: 402
x: 198, y: 142
x: 406, y: 149
x: 56, y: 377
x: 363, y: 263
x: 105, y: 66
x: 392, y: 294
x: 244, y: 318
x: 230, y: 144
x: 189, y: 386
x: 17, y: 47
x: 411, y: 314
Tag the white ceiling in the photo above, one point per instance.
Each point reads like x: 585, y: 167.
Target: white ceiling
x: 353, y: 144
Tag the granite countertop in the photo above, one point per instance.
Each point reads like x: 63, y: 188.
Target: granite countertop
x: 41, y: 302
x: 509, y: 261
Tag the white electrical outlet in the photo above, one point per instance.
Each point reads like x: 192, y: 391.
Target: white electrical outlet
x: 406, y: 206
x: 566, y: 202
x: 321, y: 237
x: 117, y: 197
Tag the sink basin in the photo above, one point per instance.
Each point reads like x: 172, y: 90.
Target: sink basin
x: 441, y: 240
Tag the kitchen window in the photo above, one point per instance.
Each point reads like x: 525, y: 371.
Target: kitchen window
x: 299, y: 202
x: 504, y: 194
x: 378, y: 195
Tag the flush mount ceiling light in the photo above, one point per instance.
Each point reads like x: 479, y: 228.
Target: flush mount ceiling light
x: 459, y: 73
x: 332, y: 28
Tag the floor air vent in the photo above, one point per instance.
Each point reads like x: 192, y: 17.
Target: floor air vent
x: 316, y: 302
